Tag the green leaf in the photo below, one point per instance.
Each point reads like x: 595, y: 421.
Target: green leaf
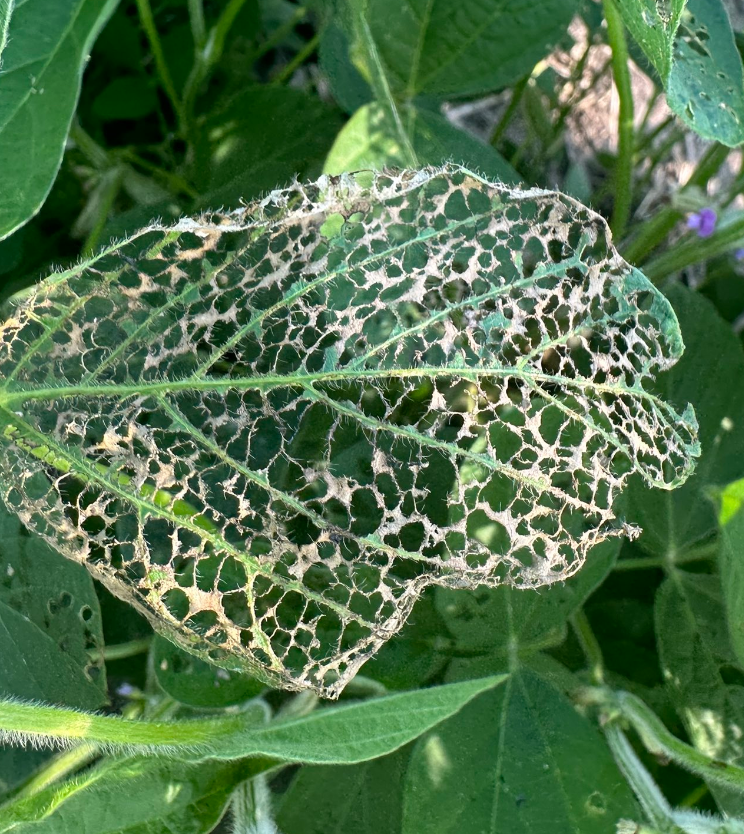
x: 340, y: 735
x: 693, y: 50
x: 465, y: 48
x: 131, y: 796
x: 258, y: 138
x: 364, y: 799
x: 711, y: 377
x: 48, y: 42
x: 368, y: 140
x: 270, y: 430
x: 706, y: 83
x: 49, y: 622
x: 197, y: 683
x: 731, y: 560
x: 518, y: 759
x: 509, y: 620
x: 654, y: 27
x: 695, y: 650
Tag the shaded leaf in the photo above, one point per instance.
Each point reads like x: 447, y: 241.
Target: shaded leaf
x: 271, y: 430
x: 518, y: 759
x: 365, y: 798
x: 711, y: 377
x: 197, y: 683
x: 49, y: 622
x: 695, y: 650
x: 654, y: 27
x: 47, y: 46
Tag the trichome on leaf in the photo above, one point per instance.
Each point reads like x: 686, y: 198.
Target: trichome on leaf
x: 269, y: 430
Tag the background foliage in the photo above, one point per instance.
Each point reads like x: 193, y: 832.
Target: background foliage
x: 189, y: 104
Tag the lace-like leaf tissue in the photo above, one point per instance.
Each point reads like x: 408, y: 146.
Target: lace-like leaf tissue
x: 270, y: 430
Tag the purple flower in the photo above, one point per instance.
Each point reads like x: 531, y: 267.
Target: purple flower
x: 703, y: 222
x: 739, y: 254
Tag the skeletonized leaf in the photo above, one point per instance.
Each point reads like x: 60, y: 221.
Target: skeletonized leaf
x: 270, y: 430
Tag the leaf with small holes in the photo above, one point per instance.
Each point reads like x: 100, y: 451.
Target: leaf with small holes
x: 270, y: 430
x: 49, y: 623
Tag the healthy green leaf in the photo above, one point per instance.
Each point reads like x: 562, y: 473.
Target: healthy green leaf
x: 694, y: 648
x: 340, y: 735
x: 48, y: 42
x: 518, y: 759
x: 465, y: 48
x: 654, y: 25
x: 197, y: 683
x: 369, y: 140
x: 364, y: 799
x: 49, y: 622
x: 711, y: 377
x: 131, y: 796
x: 506, y: 620
x: 270, y: 430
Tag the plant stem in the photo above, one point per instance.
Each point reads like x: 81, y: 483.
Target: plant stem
x: 148, y: 24
x: 62, y: 765
x: 109, y: 190
x: 511, y: 109
x: 590, y: 646
x: 198, y: 26
x: 623, y: 176
x: 299, y: 59
x: 694, y: 251
x: 120, y: 651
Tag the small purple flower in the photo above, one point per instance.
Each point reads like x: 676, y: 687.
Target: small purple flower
x: 739, y: 254
x: 703, y: 222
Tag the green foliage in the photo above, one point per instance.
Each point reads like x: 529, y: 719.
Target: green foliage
x: 43, y: 49
x: 324, y: 434
x: 692, y: 47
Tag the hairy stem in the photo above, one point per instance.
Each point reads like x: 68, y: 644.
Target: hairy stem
x: 148, y: 24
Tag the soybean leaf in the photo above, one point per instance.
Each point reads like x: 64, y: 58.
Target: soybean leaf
x: 731, y: 560
x: 692, y: 48
x: 197, y: 683
x: 48, y: 42
x: 49, y: 622
x: 365, y: 798
x: 347, y: 85
x: 506, y: 620
x: 654, y: 27
x: 369, y: 140
x: 131, y: 796
x: 711, y: 377
x: 518, y: 759
x: 270, y: 430
x: 341, y: 735
x: 258, y: 138
x: 695, y: 653
x: 448, y: 49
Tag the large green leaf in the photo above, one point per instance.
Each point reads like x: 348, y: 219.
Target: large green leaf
x: 369, y: 140
x: 270, y: 430
x: 692, y: 48
x: 711, y: 377
x: 506, y: 620
x: 48, y: 42
x: 364, y: 799
x: 463, y: 48
x: 694, y: 648
x: 518, y: 759
x: 131, y: 796
x: 49, y: 622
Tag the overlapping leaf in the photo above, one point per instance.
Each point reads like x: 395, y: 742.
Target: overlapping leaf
x: 270, y: 430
